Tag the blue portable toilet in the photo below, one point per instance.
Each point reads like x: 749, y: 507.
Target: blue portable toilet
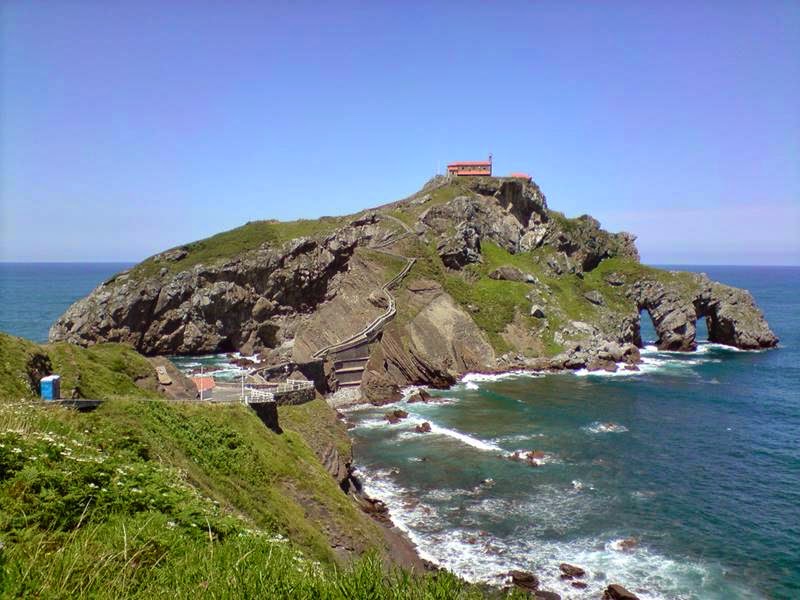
x: 50, y: 387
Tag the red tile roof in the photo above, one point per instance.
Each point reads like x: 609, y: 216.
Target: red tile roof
x: 203, y: 384
x: 520, y: 175
x: 471, y: 163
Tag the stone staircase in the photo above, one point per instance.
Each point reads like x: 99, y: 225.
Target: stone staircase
x: 349, y: 364
x: 350, y: 356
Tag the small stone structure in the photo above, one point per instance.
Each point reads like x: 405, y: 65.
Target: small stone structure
x: 295, y: 395
x: 290, y: 392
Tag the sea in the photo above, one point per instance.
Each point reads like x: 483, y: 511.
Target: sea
x: 679, y: 481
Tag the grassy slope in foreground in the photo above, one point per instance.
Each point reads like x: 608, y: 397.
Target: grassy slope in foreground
x: 148, y: 498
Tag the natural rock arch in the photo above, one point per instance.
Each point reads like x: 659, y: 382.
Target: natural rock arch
x: 732, y: 317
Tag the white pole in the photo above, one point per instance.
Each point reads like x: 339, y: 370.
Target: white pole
x: 201, y: 383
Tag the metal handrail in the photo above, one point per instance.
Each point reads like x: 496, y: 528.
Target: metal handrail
x: 378, y: 323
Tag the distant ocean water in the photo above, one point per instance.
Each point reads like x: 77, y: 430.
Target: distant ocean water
x: 33, y: 295
x: 697, y: 457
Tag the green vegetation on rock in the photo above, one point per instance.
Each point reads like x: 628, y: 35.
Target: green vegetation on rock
x: 100, y: 371
x: 235, y: 242
x: 149, y: 498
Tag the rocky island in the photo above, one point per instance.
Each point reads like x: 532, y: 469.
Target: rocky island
x: 468, y: 274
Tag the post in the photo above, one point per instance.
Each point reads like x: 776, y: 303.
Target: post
x: 201, y: 383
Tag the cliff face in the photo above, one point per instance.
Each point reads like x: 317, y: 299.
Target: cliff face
x: 500, y: 280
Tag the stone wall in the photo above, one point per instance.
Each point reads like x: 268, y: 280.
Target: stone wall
x: 292, y: 397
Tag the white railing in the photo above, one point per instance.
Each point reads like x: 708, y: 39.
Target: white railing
x: 291, y: 385
x: 257, y: 396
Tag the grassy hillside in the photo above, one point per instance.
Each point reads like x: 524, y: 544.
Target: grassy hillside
x: 147, y: 498
x: 250, y: 236
x: 495, y: 304
x: 102, y: 371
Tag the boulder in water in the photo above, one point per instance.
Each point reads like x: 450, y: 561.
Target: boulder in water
x: 419, y: 396
x: 616, y: 592
x: 569, y: 571
x: 395, y: 416
x: 525, y: 580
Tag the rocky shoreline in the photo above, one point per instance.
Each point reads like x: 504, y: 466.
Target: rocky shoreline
x: 405, y: 551
x: 484, y: 277
x: 499, y: 282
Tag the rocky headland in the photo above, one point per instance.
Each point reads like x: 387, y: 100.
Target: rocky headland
x: 468, y: 274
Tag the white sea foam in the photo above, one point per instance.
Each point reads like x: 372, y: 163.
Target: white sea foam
x: 620, y: 372
x: 488, y: 377
x: 513, y: 439
x: 604, y: 427
x: 409, y: 432
x: 471, y: 553
x: 579, y: 486
x: 375, y: 424
x: 530, y: 457
x: 465, y: 439
x: 471, y: 385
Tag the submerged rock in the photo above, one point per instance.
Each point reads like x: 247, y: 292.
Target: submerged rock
x: 569, y: 571
x: 419, y: 396
x: 616, y: 592
x: 524, y: 579
x: 395, y: 416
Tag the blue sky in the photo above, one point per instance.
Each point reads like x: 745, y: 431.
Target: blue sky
x: 129, y: 127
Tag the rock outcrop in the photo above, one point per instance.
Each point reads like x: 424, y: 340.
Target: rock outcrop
x: 500, y: 281
x: 732, y: 315
x: 247, y: 303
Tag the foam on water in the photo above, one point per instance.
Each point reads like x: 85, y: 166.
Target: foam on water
x: 412, y: 421
x: 487, y: 377
x: 512, y: 439
x: 477, y: 556
x: 598, y: 427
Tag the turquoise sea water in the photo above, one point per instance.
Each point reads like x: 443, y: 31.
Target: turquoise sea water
x: 697, y: 457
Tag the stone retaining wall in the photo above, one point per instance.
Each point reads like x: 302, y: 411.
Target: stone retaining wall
x: 293, y: 397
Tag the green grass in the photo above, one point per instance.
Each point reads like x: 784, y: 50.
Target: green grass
x: 389, y: 263
x: 317, y: 424
x: 500, y: 302
x: 97, y: 506
x: 409, y: 213
x: 230, y: 244
x: 101, y: 371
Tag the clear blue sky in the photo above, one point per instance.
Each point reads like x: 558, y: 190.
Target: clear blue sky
x: 129, y: 127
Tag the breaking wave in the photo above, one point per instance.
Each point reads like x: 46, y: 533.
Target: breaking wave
x: 478, y: 556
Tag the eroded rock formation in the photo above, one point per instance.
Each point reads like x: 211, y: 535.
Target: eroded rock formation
x: 567, y: 294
